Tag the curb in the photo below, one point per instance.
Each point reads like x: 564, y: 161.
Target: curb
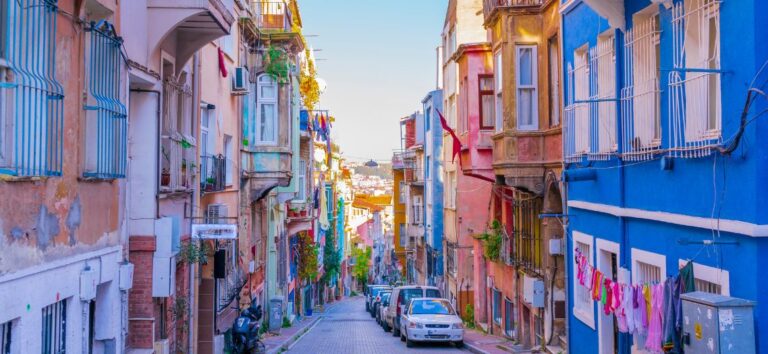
x: 474, y: 349
x: 296, y: 337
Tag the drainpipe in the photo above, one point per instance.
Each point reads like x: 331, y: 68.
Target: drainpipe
x: 193, y: 267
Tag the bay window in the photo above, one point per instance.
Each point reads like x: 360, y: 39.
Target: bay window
x: 497, y: 73
x: 487, y: 109
x: 266, y: 110
x: 527, y: 88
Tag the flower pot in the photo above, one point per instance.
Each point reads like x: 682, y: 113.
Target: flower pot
x: 165, y: 179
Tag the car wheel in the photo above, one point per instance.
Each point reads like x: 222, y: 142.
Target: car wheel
x: 459, y: 344
x: 385, y: 326
x: 395, y: 332
x: 402, y: 336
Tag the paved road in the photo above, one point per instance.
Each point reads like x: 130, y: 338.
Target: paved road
x: 348, y: 328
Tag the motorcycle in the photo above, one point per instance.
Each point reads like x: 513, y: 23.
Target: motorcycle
x: 245, y: 332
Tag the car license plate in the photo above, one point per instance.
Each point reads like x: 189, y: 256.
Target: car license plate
x: 430, y: 332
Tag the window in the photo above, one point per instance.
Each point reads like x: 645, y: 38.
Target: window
x: 487, y: 109
x: 54, y: 328
x: 527, y: 88
x: 228, y: 158
x: 302, y: 181
x: 227, y: 44
x: 266, y: 111
x: 427, y: 166
x: 641, y: 98
x: 452, y: 111
x: 403, y: 195
x: 451, y: 42
x: 577, y: 115
x: 695, y: 95
x: 106, y: 127
x: 509, y: 318
x: 5, y: 337
x: 527, y: 232
x: 583, y: 306
x: 450, y: 191
x: 31, y: 134
x: 710, y: 279
x: 418, y: 210
x: 497, y: 73
x: 403, y: 236
x: 647, y: 267
x: 177, y: 138
x: 496, y: 306
x: 554, y: 82
x: 427, y: 118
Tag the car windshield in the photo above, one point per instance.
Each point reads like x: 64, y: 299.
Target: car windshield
x: 408, y: 294
x: 376, y: 291
x: 431, y: 307
x: 433, y: 293
x: 385, y: 298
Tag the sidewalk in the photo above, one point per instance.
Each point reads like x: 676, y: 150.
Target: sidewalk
x: 280, y: 342
x: 481, y: 343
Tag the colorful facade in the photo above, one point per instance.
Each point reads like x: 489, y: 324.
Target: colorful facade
x: 658, y: 166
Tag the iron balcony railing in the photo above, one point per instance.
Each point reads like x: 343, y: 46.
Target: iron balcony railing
x: 489, y: 6
x: 272, y: 15
x: 213, y: 173
x: 31, y: 99
x: 106, y: 115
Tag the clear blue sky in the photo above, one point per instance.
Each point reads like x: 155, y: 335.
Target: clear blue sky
x: 380, y: 64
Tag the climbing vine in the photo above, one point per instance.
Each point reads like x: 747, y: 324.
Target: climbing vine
x: 191, y: 253
x: 492, y: 241
x: 308, y: 257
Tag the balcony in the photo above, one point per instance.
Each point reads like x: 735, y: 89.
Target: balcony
x: 414, y: 176
x: 213, y: 173
x: 272, y: 16
x: 524, y: 156
x: 490, y: 7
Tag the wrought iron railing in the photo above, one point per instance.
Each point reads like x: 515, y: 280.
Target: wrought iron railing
x: 31, y: 99
x: 213, y: 173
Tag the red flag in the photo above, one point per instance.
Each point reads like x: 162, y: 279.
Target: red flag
x: 222, y: 65
x: 456, y: 141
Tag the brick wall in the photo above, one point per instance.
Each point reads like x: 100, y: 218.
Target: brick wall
x: 141, y: 311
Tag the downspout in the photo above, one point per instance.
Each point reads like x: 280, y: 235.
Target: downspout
x: 193, y: 268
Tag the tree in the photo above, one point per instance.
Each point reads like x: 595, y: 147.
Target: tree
x: 331, y: 257
x: 362, y: 267
x: 307, y: 258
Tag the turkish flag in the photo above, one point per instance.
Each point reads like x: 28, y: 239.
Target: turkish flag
x: 222, y: 65
x: 456, y: 141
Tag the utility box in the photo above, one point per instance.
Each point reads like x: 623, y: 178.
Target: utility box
x: 717, y: 324
x: 275, y: 314
x: 533, y: 291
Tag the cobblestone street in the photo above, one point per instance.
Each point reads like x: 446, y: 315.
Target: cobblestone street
x: 348, y: 328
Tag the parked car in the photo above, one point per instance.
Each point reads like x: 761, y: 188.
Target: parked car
x: 431, y: 320
x: 385, y: 296
x: 400, y: 297
x: 377, y: 301
x: 373, y: 290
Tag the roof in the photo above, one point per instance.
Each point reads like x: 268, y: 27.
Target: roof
x: 364, y: 204
x: 380, y: 200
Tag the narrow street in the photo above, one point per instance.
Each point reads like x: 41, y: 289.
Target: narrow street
x: 348, y: 328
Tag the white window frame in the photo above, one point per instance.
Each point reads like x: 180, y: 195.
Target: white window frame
x: 498, y: 70
x: 581, y: 93
x: 710, y: 274
x: 605, y: 322
x: 263, y: 101
x: 584, y: 311
x: 533, y: 86
x: 229, y: 158
x: 604, y: 70
x: 9, y: 337
x: 403, y: 197
x: 301, y: 193
x: 417, y: 209
x: 654, y: 259
x: 555, y: 119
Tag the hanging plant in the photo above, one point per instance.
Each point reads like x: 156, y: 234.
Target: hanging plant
x: 191, y: 253
x: 492, y: 241
x: 308, y: 86
x: 185, y: 144
x: 277, y: 65
x: 307, y: 258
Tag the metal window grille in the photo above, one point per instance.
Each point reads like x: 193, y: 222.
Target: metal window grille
x: 706, y: 286
x: 5, y: 337
x: 177, y: 142
x: 31, y: 100
x: 581, y: 294
x: 577, y: 115
x: 527, y: 232
x: 640, y: 97
x: 603, y: 94
x: 106, y: 115
x: 54, y: 328
x: 509, y: 318
x: 496, y: 306
x: 694, y: 83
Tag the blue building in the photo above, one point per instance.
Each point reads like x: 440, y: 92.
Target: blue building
x: 433, y: 187
x: 661, y: 164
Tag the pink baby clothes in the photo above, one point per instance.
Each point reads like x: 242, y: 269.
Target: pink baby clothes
x: 653, y: 341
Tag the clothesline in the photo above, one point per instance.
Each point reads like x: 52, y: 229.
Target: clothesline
x: 651, y: 310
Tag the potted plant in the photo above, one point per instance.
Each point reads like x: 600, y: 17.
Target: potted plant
x: 210, y: 183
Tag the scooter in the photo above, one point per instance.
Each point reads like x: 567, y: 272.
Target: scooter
x: 245, y: 332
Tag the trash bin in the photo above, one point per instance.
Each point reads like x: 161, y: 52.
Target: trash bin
x: 275, y: 313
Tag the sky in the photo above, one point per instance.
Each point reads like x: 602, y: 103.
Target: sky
x: 380, y: 62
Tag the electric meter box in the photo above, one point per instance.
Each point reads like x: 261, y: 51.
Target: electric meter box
x: 717, y: 324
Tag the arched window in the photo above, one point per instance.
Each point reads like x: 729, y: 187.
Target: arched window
x: 266, y: 110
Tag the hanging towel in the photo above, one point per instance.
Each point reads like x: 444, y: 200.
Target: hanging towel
x: 653, y: 341
x: 647, y: 296
x: 686, y: 276
x: 672, y: 316
x: 629, y: 310
x: 607, y: 296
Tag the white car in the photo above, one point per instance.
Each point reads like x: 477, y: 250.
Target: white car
x: 431, y: 320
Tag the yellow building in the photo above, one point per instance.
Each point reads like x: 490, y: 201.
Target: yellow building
x: 398, y: 205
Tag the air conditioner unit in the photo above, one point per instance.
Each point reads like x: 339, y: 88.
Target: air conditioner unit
x: 240, y: 79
